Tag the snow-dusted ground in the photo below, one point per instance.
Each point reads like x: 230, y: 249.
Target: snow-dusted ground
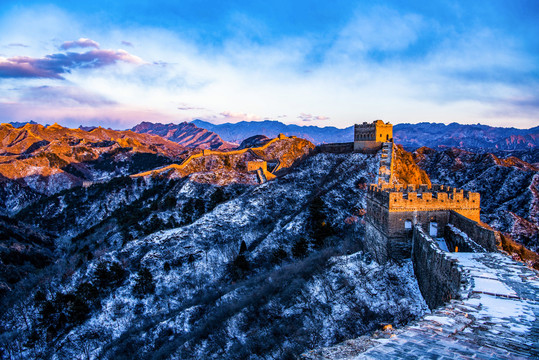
x: 509, y: 193
x: 282, y: 305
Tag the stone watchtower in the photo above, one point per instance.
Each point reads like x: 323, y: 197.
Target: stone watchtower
x: 370, y: 137
x: 393, y: 211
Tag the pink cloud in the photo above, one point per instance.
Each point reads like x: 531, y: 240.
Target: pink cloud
x: 238, y: 116
x: 82, y: 42
x: 310, y: 117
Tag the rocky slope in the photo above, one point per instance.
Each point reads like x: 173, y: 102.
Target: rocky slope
x: 406, y: 171
x: 185, y: 134
x: 227, y: 167
x: 23, y: 252
x: 509, y: 187
x: 36, y: 160
x: 265, y: 271
x: 254, y: 141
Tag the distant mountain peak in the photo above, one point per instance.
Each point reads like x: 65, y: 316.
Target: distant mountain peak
x: 186, y: 134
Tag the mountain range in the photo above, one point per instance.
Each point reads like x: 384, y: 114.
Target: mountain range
x: 412, y: 136
x: 172, y: 248
x: 186, y: 134
x: 39, y: 160
x: 205, y: 135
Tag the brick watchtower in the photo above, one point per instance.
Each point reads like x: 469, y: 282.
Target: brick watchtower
x: 393, y: 210
x: 370, y: 137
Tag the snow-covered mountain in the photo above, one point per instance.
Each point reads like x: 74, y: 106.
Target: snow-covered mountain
x: 39, y: 161
x: 509, y: 187
x: 195, y: 262
x: 185, y: 134
x: 172, y: 268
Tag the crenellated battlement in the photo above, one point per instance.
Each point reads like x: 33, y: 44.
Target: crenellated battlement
x: 425, y: 198
x: 392, y: 206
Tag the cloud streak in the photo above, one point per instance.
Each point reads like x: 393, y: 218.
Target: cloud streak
x: 52, y: 66
x: 239, y: 116
x: 67, y: 96
x: 81, y: 43
x: 309, y: 117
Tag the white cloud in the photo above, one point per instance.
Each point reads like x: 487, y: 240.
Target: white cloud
x: 182, y: 80
x: 82, y: 43
x: 230, y: 116
x: 309, y: 117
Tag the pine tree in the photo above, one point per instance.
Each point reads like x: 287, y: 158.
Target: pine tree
x: 243, y: 247
x: 300, y: 247
x: 278, y: 255
x: 102, y: 275
x: 144, y: 283
x: 319, y: 227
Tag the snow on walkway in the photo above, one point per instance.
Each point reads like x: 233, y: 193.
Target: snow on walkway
x: 496, y: 318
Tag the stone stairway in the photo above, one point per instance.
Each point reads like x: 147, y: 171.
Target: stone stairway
x: 496, y: 318
x: 385, y: 155
x: 261, y: 176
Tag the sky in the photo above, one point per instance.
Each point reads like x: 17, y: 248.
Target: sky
x: 305, y: 62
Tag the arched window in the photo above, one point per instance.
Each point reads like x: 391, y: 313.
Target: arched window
x: 408, y: 224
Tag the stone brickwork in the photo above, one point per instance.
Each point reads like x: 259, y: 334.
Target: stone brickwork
x: 398, y: 198
x: 257, y: 164
x: 482, y: 324
x: 368, y: 137
x: 386, y: 169
x: 482, y: 234
x: 261, y: 169
x: 458, y: 241
x: 395, y: 209
x: 438, y: 275
x: 335, y: 148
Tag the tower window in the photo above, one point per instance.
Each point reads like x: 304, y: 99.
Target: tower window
x: 433, y: 229
x: 408, y: 224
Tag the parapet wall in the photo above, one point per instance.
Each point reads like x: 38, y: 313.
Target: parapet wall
x: 422, y: 198
x: 482, y: 234
x: 336, y: 148
x: 438, y: 275
x: 369, y: 147
x: 458, y: 241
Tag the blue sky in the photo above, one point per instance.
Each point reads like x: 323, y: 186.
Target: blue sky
x: 116, y: 63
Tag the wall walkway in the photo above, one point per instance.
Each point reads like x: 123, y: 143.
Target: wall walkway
x: 496, y: 317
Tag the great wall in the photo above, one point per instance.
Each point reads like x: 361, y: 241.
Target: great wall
x: 259, y: 166
x: 484, y: 304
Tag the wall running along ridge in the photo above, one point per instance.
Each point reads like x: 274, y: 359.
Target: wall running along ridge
x: 206, y: 152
